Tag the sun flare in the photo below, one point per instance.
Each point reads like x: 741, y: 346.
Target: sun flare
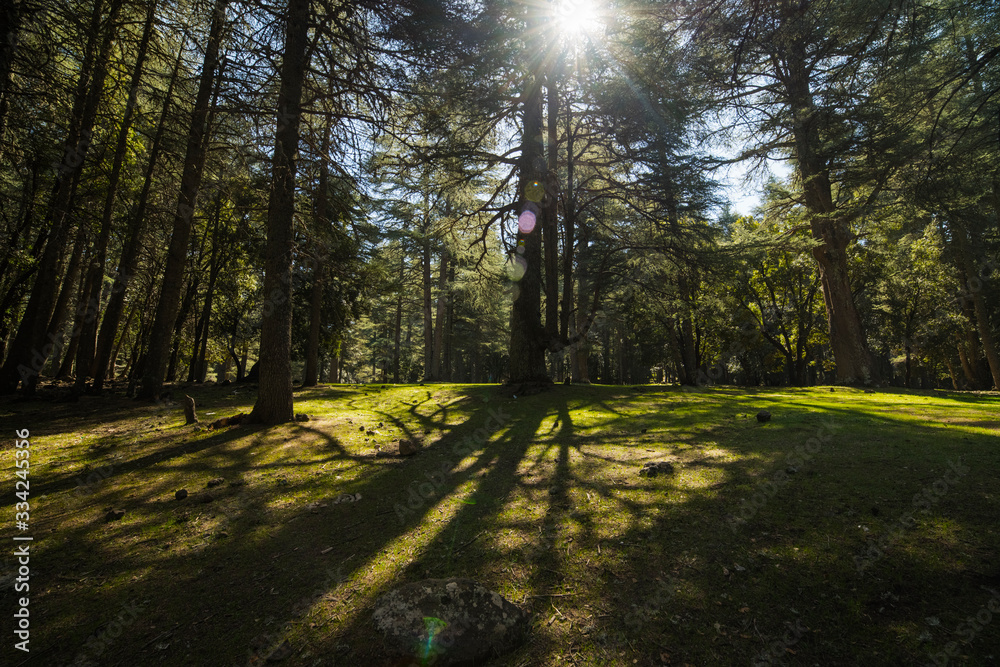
x: 576, y: 18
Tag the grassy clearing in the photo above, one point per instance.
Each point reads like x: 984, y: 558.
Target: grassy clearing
x: 854, y: 528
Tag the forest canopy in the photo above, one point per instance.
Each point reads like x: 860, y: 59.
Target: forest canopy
x: 498, y: 191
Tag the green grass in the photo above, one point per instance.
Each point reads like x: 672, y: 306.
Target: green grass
x: 734, y: 559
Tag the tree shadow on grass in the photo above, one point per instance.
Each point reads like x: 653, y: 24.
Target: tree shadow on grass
x: 644, y: 575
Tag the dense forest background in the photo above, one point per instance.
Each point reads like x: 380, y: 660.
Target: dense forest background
x: 442, y: 190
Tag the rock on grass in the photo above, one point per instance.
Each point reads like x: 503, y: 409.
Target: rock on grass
x: 449, y: 622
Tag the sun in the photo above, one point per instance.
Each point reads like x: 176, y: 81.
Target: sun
x: 576, y: 18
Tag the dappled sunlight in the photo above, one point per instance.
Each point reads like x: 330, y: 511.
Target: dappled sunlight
x: 545, y: 506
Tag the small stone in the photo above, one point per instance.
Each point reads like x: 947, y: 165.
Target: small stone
x: 654, y: 468
x: 301, y: 417
x: 181, y: 495
x: 218, y: 481
x: 408, y: 448
x: 763, y: 416
x: 114, y: 515
x: 791, y: 470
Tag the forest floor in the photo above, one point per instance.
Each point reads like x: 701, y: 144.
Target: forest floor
x: 853, y: 528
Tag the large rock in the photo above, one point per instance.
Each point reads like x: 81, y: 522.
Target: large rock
x: 449, y: 622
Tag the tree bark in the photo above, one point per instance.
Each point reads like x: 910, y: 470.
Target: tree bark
x: 397, y: 339
x: 173, y: 273
x: 87, y: 343
x: 426, y: 279
x: 527, y: 335
x: 974, y: 291
x: 129, y: 260
x: 440, y: 316
x: 855, y: 363
x: 311, y: 377
x: 274, y: 397
x: 550, y: 219
x: 31, y: 347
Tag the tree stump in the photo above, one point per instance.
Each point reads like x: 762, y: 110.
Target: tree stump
x: 189, y: 413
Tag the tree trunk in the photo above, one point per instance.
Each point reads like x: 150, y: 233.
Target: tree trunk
x: 129, y: 260
x: 550, y: 218
x: 31, y: 346
x: 173, y: 273
x: 569, y: 230
x: 178, y: 328
x: 440, y: 316
x: 316, y: 293
x: 87, y: 342
x: 854, y: 361
x: 527, y: 336
x: 580, y: 351
x: 199, y: 369
x: 685, y: 329
x: 60, y: 310
x: 274, y: 397
x: 449, y: 328
x: 397, y: 340
x: 315, y: 317
x: 335, y: 366
x: 426, y: 276
x: 974, y: 288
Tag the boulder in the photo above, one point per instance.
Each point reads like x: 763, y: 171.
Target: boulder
x: 408, y: 447
x: 654, y: 468
x: 449, y: 622
x: 763, y: 416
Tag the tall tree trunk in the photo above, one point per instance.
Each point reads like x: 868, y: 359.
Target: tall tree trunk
x: 685, y: 331
x: 527, y: 335
x: 426, y: 280
x: 446, y: 353
x: 855, y: 363
x: 60, y: 310
x: 550, y: 219
x: 274, y: 397
x: 199, y: 362
x: 87, y: 342
x: 316, y: 293
x: 397, y: 340
x: 182, y: 316
x: 974, y: 288
x: 441, y: 315
x: 129, y: 260
x: 335, y: 364
x: 315, y: 320
x: 569, y: 231
x: 173, y: 273
x: 31, y: 347
x: 580, y: 351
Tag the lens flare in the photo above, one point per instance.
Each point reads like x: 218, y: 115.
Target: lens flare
x: 534, y: 191
x: 518, y: 268
x: 526, y: 222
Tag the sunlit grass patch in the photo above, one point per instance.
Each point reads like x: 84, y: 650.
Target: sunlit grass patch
x: 759, y: 526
